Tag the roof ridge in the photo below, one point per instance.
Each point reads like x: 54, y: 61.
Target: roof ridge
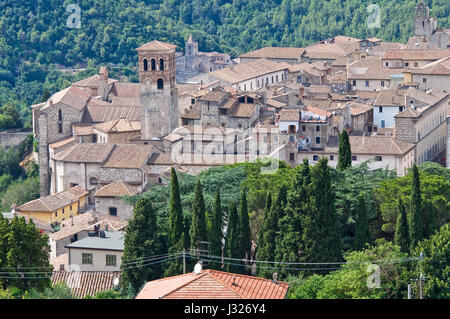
x: 246, y: 276
x: 183, y: 285
x: 223, y: 283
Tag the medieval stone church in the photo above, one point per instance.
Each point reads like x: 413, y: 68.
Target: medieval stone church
x: 99, y: 108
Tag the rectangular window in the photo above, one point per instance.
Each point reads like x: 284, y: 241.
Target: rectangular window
x: 378, y: 158
x: 380, y: 109
x: 383, y: 123
x: 367, y: 83
x: 291, y: 156
x: 304, y: 128
x: 111, y: 260
x: 354, y: 158
x: 382, y: 83
x: 317, y: 128
x: 291, y: 138
x: 86, y: 258
x: 317, y: 140
x: 113, y: 211
x: 424, y: 80
x: 400, y: 108
x: 331, y: 157
x: 354, y: 82
x: 406, y: 64
x: 315, y: 157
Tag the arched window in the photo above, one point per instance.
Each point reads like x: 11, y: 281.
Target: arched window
x: 93, y: 181
x: 145, y: 65
x: 153, y: 64
x: 60, y: 121
x: 160, y: 84
x: 161, y: 64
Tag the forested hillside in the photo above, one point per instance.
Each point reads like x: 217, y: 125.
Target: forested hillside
x: 34, y: 33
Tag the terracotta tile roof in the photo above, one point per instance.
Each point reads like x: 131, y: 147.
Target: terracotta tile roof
x: 248, y: 70
x: 63, y: 142
x: 60, y: 260
x: 275, y: 53
x: 83, y: 129
x: 328, y: 51
x: 193, y: 114
x: 125, y: 90
x: 93, y: 81
x: 391, y: 97
x: 430, y: 98
x: 378, y: 145
x: 156, y: 45
x: 128, y: 156
x: 53, y: 202
x: 85, y: 153
x: 419, y: 54
x: 230, y: 103
x: 41, y: 225
x: 318, y: 89
x: 214, y: 96
x: 290, y: 115
x: 86, y: 282
x: 117, y: 189
x: 359, y: 108
x: 172, y: 137
x: 119, y: 126
x: 439, y: 67
x: 315, y: 68
x: 98, y: 114
x: 370, y: 68
x: 242, y: 110
x: 213, y: 284
x: 72, y: 96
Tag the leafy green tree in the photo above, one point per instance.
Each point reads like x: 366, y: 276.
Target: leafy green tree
x: 321, y: 233
x: 350, y: 282
x: 24, y: 252
x: 198, y: 225
x: 416, y: 220
x: 57, y: 291
x: 176, y: 227
x: 402, y: 238
x: 430, y: 219
x: 362, y: 235
x: 142, y: 242
x: 435, y: 266
x: 216, y: 229
x: 345, y: 152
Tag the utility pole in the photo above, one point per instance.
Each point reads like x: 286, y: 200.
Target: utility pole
x: 421, y: 277
x: 184, y: 261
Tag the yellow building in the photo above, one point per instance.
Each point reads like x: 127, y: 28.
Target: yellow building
x: 57, y: 207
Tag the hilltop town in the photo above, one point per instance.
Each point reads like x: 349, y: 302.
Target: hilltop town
x: 101, y: 140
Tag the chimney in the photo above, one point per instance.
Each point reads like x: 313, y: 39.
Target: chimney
x: 275, y: 277
x: 234, y: 280
x: 103, y: 88
x: 61, y: 267
x: 71, y: 220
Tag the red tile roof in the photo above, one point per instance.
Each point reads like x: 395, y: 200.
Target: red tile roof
x: 85, y: 283
x: 213, y: 284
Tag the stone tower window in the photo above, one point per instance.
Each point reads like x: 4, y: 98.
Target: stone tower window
x: 153, y: 64
x: 161, y: 64
x: 60, y: 119
x: 160, y: 84
x: 145, y: 65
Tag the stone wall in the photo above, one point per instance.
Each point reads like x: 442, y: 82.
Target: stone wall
x: 12, y: 139
x: 102, y: 205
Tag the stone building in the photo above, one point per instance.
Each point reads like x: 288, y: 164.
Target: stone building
x: 158, y: 92
x: 108, y: 199
x: 423, y: 122
x: 427, y: 35
x: 434, y: 75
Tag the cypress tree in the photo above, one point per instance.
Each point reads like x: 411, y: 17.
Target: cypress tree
x: 416, y: 221
x: 267, y: 243
x: 345, y: 153
x: 321, y: 236
x: 362, y: 235
x: 232, y: 239
x: 141, y: 242
x: 401, y: 237
x: 216, y: 229
x: 288, y: 240
x: 245, y: 242
x: 197, y: 230
x: 176, y: 227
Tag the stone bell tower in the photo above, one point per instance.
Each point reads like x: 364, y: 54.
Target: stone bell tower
x: 158, y: 94
x: 424, y: 26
